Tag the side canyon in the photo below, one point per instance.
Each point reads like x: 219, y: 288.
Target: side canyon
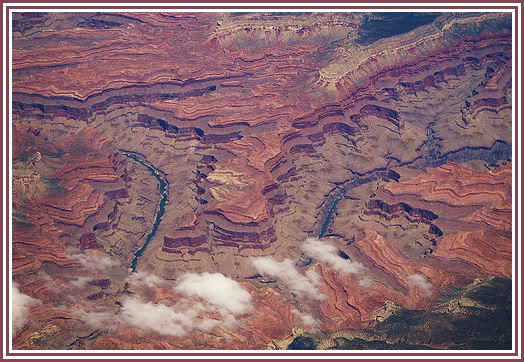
x: 336, y: 180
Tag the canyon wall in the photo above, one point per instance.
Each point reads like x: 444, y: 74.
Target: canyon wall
x: 394, y: 149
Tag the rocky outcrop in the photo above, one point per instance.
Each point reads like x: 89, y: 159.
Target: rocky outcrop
x: 418, y: 329
x: 264, y: 129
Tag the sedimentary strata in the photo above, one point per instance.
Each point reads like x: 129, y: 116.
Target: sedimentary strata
x: 265, y: 129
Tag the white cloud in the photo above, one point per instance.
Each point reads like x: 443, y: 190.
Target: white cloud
x: 305, y: 319
x: 79, y: 282
x: 51, y: 284
x: 159, y: 318
x: 92, y: 260
x: 97, y: 318
x: 222, y: 296
x: 216, y: 289
x: 365, y: 282
x: 143, y: 278
x: 207, y: 324
x: 20, y: 305
x: 307, y: 284
x: 285, y: 270
x: 217, y: 292
x: 328, y: 254
x: 420, y: 281
x: 176, y: 320
x: 313, y: 276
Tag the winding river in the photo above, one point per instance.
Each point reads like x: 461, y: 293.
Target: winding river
x: 329, y: 214
x: 489, y: 154
x: 163, y: 189
x: 499, y: 150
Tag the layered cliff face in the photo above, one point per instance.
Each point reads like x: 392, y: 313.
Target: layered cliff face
x: 323, y: 173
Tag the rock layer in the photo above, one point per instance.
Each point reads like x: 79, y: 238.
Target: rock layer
x: 267, y: 129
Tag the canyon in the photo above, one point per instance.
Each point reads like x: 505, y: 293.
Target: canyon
x: 155, y: 148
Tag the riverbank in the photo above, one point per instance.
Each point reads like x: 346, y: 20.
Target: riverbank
x: 162, y: 189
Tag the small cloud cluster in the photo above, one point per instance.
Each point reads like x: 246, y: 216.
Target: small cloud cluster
x: 216, y: 289
x: 97, y: 318
x: 79, y: 282
x: 60, y: 286
x: 420, y: 281
x: 306, y: 319
x: 365, y: 282
x: 50, y: 283
x: 204, y: 294
x: 147, y: 279
x: 328, y: 254
x: 303, y: 285
x: 90, y: 262
x: 20, y: 305
x: 306, y: 284
x: 159, y: 318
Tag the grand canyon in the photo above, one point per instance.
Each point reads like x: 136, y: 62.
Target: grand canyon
x: 261, y: 180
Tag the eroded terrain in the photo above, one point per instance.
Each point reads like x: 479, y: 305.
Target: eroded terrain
x: 336, y: 180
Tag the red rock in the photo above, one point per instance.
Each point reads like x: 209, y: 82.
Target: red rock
x: 256, y: 127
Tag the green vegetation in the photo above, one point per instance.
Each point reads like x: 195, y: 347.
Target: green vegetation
x: 361, y: 344
x: 303, y: 343
x: 53, y: 187
x: 384, y: 25
x: 474, y: 318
